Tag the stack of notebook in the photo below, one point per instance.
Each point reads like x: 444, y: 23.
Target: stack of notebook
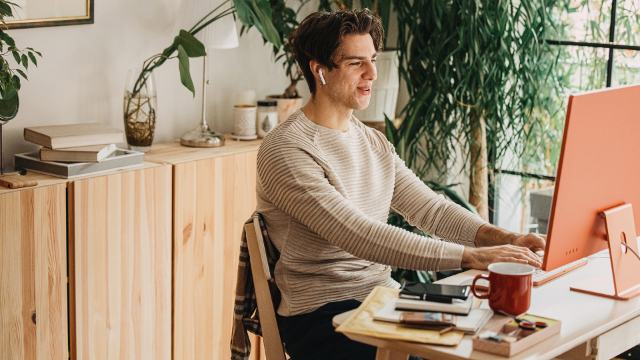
x: 76, y: 149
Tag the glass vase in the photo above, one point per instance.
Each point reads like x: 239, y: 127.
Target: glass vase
x: 140, y: 109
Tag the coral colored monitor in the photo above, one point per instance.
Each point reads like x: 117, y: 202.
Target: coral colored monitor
x: 599, y: 169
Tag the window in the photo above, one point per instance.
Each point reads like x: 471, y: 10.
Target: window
x: 594, y: 44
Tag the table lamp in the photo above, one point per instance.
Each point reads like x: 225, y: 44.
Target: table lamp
x: 220, y: 34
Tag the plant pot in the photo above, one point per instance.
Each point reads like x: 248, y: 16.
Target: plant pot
x: 286, y: 106
x: 140, y: 110
x: 8, y: 110
x: 384, y: 94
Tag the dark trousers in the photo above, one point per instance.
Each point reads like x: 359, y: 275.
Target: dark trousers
x: 312, y: 336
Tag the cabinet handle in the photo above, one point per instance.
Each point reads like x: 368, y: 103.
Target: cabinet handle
x: 33, y: 317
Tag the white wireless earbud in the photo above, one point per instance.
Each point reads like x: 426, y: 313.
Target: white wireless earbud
x: 322, y: 80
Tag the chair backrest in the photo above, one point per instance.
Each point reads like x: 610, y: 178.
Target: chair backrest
x: 261, y: 277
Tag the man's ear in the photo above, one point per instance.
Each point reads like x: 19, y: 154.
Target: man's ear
x: 318, y: 71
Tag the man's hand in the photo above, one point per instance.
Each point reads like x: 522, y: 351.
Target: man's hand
x: 480, y: 258
x: 494, y: 244
x: 535, y: 242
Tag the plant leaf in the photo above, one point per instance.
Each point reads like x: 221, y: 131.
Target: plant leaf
x: 22, y: 73
x: 7, y: 39
x: 5, y: 9
x: 258, y: 13
x: 192, y: 46
x: 35, y: 51
x: 16, y: 56
x: 25, y: 61
x: 33, y: 59
x: 183, y: 66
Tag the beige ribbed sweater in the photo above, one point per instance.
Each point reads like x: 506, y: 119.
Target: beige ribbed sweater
x: 326, y: 194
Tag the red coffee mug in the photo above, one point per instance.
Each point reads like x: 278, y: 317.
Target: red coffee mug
x: 509, y: 287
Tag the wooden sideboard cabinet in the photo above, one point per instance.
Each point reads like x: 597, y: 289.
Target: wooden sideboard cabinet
x: 213, y: 194
x: 33, y: 272
x: 133, y: 264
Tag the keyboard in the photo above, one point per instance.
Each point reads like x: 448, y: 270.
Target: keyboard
x: 540, y: 276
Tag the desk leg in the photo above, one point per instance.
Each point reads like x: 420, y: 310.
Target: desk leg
x: 388, y: 354
x: 580, y: 352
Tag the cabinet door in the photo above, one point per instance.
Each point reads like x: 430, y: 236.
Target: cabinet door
x: 33, y: 274
x: 121, y: 241
x: 212, y: 199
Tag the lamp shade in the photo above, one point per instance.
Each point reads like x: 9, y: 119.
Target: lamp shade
x: 221, y: 34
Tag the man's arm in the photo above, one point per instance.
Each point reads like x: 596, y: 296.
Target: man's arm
x: 431, y: 212
x: 490, y: 235
x: 423, y: 208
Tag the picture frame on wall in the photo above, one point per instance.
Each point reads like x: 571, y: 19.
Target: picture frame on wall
x: 41, y: 13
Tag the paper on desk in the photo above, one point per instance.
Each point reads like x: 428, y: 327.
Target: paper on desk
x: 362, y: 323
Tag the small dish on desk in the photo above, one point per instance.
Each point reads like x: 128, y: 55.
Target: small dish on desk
x: 513, y: 335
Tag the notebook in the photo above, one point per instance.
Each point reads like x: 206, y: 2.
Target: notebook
x: 457, y: 306
x: 470, y: 323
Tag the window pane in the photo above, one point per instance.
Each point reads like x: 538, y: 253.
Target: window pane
x: 522, y: 205
x: 628, y: 22
x: 581, y: 20
x: 626, y: 67
x: 578, y: 69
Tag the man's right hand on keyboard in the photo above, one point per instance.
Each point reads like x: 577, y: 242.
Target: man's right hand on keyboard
x: 480, y: 258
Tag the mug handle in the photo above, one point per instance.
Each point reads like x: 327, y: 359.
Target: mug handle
x: 484, y: 295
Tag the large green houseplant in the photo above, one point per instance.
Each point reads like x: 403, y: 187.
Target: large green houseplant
x: 473, y: 71
x: 139, y: 103
x: 10, y: 75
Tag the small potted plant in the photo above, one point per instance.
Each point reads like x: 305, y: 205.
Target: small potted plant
x: 140, y: 98
x: 10, y: 76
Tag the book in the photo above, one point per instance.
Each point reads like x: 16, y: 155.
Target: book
x: 92, y: 153
x: 72, y: 135
x: 457, y: 306
x: 470, y: 323
x: 507, y: 337
x: 119, y: 159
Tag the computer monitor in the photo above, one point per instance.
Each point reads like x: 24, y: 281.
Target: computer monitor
x: 599, y: 169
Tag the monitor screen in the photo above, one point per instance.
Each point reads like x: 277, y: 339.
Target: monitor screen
x: 599, y: 169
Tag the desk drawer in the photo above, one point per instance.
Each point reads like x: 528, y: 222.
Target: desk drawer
x: 619, y: 339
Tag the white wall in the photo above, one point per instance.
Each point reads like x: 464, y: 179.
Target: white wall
x: 82, y: 73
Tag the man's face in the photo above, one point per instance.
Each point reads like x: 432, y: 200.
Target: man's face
x: 349, y: 83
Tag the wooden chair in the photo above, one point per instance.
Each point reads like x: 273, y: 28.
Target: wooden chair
x: 261, y: 278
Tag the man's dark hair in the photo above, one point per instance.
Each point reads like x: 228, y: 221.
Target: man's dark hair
x: 320, y: 34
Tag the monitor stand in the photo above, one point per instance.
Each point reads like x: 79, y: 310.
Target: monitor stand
x: 625, y: 265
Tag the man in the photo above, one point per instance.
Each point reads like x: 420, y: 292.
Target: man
x: 326, y: 184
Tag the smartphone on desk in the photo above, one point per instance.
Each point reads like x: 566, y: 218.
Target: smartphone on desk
x: 434, y: 292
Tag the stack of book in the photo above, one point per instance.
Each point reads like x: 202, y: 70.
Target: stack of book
x: 436, y: 307
x: 76, y: 149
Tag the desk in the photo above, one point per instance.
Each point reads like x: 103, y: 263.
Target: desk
x: 592, y: 327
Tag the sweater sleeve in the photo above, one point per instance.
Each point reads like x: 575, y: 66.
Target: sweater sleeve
x: 297, y: 184
x: 431, y: 212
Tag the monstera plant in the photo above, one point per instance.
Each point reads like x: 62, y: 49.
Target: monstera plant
x: 10, y: 74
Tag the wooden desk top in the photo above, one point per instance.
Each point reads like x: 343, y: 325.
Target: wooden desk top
x: 174, y: 153
x: 583, y: 316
